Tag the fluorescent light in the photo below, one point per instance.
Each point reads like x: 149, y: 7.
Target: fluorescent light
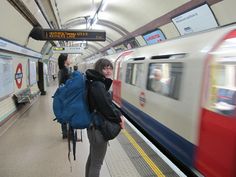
x: 104, y: 5
x: 95, y: 20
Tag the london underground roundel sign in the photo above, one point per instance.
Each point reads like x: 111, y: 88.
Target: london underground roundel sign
x: 19, y: 75
x: 142, y: 99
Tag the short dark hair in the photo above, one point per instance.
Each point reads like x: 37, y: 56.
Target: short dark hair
x: 75, y: 67
x: 101, y: 64
x: 61, y: 60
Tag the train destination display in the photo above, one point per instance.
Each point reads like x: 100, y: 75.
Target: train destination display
x: 67, y: 35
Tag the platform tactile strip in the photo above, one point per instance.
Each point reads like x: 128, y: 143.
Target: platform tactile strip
x: 140, y: 164
x: 118, y: 162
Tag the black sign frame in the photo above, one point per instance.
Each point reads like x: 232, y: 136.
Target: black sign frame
x: 38, y: 33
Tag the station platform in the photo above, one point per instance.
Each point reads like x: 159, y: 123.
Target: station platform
x: 33, y: 147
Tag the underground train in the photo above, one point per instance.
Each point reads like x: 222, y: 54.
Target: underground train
x: 182, y: 92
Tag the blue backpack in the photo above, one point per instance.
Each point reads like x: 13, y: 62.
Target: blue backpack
x: 70, y: 102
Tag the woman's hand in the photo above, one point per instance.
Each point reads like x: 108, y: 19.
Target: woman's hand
x: 122, y: 123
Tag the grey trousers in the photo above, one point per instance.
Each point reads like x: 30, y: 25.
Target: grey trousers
x: 98, y: 148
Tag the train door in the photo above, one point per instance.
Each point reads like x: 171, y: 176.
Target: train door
x: 117, y: 77
x: 216, y: 153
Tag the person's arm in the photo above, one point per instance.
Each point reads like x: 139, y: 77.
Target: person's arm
x: 103, y: 102
x: 67, y: 74
x: 64, y: 75
x: 122, y: 123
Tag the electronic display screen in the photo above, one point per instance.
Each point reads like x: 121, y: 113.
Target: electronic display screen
x: 67, y: 35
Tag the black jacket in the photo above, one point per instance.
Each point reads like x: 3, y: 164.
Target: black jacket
x: 63, y: 75
x: 99, y: 97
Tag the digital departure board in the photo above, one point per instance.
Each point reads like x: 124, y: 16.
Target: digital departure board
x: 67, y: 35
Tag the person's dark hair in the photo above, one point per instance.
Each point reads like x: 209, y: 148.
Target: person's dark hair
x: 61, y: 60
x: 75, y: 67
x: 101, y: 64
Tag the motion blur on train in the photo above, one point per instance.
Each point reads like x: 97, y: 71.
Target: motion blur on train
x: 182, y: 93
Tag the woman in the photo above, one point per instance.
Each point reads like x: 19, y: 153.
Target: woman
x: 63, y: 76
x: 101, y: 101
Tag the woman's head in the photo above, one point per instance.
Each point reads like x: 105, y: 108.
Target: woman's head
x: 105, y: 67
x: 63, y: 61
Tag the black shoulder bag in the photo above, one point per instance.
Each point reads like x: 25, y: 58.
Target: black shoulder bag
x: 109, y: 129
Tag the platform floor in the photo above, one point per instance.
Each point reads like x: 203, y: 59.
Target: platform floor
x: 33, y: 147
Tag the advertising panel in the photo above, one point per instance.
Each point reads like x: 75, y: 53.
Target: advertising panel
x: 198, y: 19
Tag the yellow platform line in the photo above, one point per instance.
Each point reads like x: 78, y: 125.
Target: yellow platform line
x: 151, y: 164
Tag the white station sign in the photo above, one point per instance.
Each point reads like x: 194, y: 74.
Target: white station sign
x: 67, y: 49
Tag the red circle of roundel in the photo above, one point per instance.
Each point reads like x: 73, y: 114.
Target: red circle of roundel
x: 142, y: 99
x: 19, y: 75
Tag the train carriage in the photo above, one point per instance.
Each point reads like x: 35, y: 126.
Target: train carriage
x: 195, y: 117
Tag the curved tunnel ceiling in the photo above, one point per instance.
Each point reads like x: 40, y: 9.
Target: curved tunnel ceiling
x: 76, y: 22
x: 121, y: 19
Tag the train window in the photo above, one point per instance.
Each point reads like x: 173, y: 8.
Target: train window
x: 165, y: 79
x: 120, y: 73
x: 221, y: 78
x: 128, y: 73
x: 222, y: 97
x: 134, y: 73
